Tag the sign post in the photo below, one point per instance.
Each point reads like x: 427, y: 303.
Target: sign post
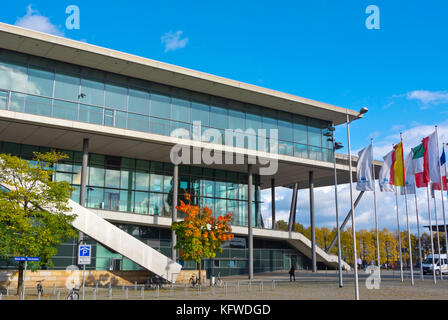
x: 26, y: 259
x: 84, y: 257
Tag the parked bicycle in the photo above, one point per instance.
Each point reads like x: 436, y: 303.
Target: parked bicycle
x: 40, y: 289
x: 73, y: 294
x: 194, y: 281
x: 219, y: 282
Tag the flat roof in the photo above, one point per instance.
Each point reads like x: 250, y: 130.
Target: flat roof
x: 88, y: 55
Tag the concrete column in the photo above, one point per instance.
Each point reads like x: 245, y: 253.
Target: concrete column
x: 174, y: 215
x: 273, y: 202
x: 250, y: 222
x: 313, y: 231
x: 292, y: 210
x: 83, y: 189
x: 295, y: 208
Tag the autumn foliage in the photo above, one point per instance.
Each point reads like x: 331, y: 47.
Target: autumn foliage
x: 200, y: 235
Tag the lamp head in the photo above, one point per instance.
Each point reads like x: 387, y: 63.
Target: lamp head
x: 363, y: 110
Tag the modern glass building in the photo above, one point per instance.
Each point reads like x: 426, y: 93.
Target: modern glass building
x: 120, y: 111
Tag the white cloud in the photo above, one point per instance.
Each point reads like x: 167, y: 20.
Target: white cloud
x: 33, y: 20
x: 428, y: 97
x: 173, y: 41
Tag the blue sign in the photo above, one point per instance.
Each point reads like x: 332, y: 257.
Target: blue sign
x: 84, y: 252
x: 26, y: 258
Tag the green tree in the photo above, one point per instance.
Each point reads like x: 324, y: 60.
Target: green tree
x: 27, y: 228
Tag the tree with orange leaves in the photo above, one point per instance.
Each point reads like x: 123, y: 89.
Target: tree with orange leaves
x: 200, y: 235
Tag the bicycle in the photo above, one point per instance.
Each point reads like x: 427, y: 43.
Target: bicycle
x: 40, y: 289
x: 194, y: 281
x: 74, y: 294
x: 219, y: 282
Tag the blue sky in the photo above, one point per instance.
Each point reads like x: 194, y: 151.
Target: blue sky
x: 316, y: 49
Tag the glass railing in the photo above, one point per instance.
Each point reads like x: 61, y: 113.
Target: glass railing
x: 75, y: 111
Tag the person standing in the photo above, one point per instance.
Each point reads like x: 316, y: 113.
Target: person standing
x: 292, y: 273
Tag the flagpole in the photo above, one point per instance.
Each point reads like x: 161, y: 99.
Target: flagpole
x: 430, y: 232
x: 418, y: 234
x: 376, y: 215
x: 437, y: 229
x: 441, y: 194
x: 407, y: 211
x: 352, y: 208
x: 399, y: 236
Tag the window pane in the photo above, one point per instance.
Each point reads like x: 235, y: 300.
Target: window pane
x: 156, y: 182
x: 126, y: 201
x: 159, y: 126
x: 300, y: 130
x: 237, y: 120
x: 66, y: 87
x: 141, y: 202
x: 121, y: 119
x: 156, y: 205
x: 116, y: 96
x: 90, y: 114
x: 200, y: 112
x: 167, y: 183
x: 316, y: 153
x: 220, y: 189
x: 17, y: 102
x: 208, y: 188
x: 285, y: 130
x: 3, y: 99
x: 65, y: 110
x: 127, y: 179
x: 95, y: 198
x: 40, y: 81
x: 112, y: 178
x: 160, y: 105
x: 141, y: 181
x: 13, y: 76
x: 93, y: 91
x: 112, y: 199
x: 138, y: 122
x: 96, y: 177
x: 314, y: 136
x: 38, y: 105
x: 253, y: 121
x: 269, y: 123
x: 138, y: 101
x: 218, y: 118
x: 180, y: 109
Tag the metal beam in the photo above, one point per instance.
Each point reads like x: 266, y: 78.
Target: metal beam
x: 292, y: 210
x: 250, y: 231
x: 273, y: 202
x: 83, y: 189
x: 174, y: 215
x: 333, y: 242
x: 313, y: 227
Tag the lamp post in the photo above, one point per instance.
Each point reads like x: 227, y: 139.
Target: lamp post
x: 348, y: 121
x: 336, y: 146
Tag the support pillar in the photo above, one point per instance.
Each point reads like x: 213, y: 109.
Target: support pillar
x: 250, y: 222
x: 273, y: 202
x: 292, y: 210
x: 313, y: 231
x: 83, y: 189
x: 174, y: 215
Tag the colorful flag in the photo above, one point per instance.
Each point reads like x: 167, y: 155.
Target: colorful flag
x: 409, y: 171
x: 364, y: 174
x: 397, y: 177
x: 430, y: 144
x: 420, y: 166
x: 436, y: 185
x: 384, y: 176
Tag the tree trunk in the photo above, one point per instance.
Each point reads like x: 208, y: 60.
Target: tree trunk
x: 20, y: 279
x: 200, y: 280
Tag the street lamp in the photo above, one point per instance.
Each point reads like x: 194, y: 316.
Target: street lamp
x: 336, y: 146
x: 363, y: 110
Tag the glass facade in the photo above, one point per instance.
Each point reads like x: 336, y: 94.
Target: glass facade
x: 146, y: 187
x: 54, y: 89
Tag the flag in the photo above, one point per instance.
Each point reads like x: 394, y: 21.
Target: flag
x: 384, y: 176
x: 364, y: 174
x: 409, y: 171
x: 430, y: 144
x: 397, y: 177
x: 420, y: 166
x: 436, y: 185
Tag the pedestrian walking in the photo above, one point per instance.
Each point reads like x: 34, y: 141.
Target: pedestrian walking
x: 292, y: 273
